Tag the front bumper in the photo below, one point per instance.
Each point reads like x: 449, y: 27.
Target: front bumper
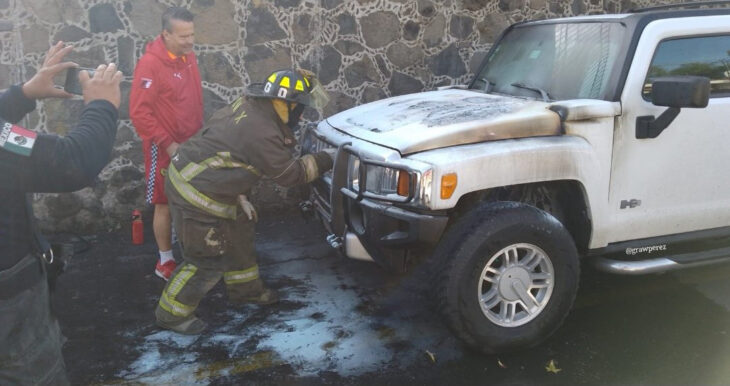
x: 385, y: 233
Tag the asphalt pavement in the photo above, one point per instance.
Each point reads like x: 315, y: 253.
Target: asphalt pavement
x: 348, y: 322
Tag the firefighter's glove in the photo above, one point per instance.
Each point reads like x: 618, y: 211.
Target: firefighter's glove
x: 248, y: 208
x: 325, y: 160
x: 315, y: 164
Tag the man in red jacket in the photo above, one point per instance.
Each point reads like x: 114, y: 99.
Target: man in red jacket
x: 166, y: 107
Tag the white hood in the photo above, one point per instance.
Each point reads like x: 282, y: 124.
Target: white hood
x: 435, y: 119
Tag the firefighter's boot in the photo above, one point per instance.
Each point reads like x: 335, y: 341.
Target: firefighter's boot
x: 188, y: 326
x: 252, y: 292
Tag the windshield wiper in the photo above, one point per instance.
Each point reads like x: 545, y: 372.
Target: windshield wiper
x: 543, y: 93
x: 487, y: 84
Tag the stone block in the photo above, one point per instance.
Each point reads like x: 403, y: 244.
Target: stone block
x: 90, y: 57
x: 303, y: 30
x: 125, y: 87
x: 382, y: 66
x: 411, y: 30
x: 447, y: 62
x: 578, y: 7
x: 434, y: 32
x: 287, y: 3
x: 380, y: 28
x: 511, y: 5
x: 262, y: 27
x: 211, y: 103
x: 62, y: 115
x: 325, y: 61
x: 461, y: 27
x: 260, y: 61
x: 538, y: 4
x: 104, y: 18
x: 55, y: 11
x: 125, y: 55
x: 476, y: 60
x: 401, y: 84
x: 6, y: 79
x: 373, y: 93
x: 215, y: 68
x: 474, y: 5
x: 491, y: 27
x: 349, y: 47
x: 71, y: 33
x: 360, y: 72
x: 347, y: 24
x: 35, y: 39
x: 426, y: 8
x: 403, y: 56
x: 63, y: 205
x: 331, y: 4
x: 146, y: 17
x: 214, y: 23
x: 338, y: 102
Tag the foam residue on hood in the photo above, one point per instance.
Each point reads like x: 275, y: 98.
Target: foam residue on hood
x: 445, y: 118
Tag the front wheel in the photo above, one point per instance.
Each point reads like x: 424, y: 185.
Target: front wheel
x: 507, y: 276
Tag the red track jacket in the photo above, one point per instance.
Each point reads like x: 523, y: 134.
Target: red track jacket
x: 166, y: 101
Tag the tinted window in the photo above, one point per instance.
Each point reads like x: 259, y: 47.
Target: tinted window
x: 703, y: 56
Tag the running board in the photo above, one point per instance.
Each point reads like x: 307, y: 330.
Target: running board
x: 642, y: 267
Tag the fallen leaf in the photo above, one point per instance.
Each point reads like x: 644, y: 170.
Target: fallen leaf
x: 431, y: 355
x: 500, y: 364
x: 552, y: 367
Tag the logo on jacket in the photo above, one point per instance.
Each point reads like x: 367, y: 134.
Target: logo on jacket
x: 20, y: 140
x: 146, y: 82
x: 177, y: 75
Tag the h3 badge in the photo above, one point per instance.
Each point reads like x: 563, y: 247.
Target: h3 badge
x: 632, y: 203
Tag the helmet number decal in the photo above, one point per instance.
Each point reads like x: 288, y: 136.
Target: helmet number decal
x: 282, y: 92
x: 267, y: 88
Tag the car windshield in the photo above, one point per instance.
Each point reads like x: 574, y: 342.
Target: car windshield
x: 554, y: 61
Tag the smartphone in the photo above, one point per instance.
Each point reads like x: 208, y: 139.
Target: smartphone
x: 72, y: 84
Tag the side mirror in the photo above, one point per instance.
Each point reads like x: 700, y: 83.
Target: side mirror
x: 681, y: 91
x: 674, y: 92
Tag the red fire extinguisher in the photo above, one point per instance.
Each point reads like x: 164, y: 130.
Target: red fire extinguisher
x: 137, y: 227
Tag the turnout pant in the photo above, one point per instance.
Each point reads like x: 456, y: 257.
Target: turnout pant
x: 213, y: 248
x: 30, y: 339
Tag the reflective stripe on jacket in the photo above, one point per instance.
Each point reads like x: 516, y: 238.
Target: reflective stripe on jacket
x: 238, y: 145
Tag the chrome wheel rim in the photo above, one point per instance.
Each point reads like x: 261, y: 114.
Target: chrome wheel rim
x: 515, y: 285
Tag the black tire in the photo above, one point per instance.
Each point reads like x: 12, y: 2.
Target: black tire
x: 466, y: 249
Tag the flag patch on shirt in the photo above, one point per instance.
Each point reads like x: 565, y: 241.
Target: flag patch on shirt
x: 146, y: 82
x: 16, y: 139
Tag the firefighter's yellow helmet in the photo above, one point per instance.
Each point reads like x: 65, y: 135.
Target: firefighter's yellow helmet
x: 294, y: 86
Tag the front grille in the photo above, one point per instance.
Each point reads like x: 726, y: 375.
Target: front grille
x: 319, y: 145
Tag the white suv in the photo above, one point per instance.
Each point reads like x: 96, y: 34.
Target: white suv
x: 601, y: 139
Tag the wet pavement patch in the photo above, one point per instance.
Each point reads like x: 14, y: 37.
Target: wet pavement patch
x: 348, y: 322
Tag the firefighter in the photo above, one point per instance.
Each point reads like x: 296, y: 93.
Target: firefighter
x: 207, y: 183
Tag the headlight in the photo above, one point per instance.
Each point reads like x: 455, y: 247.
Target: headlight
x: 380, y: 180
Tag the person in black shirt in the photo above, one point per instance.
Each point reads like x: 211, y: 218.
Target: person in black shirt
x: 30, y: 339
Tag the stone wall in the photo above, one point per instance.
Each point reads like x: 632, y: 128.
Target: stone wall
x: 362, y: 50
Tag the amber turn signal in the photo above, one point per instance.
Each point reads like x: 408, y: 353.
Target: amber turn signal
x: 404, y: 183
x: 448, y: 185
